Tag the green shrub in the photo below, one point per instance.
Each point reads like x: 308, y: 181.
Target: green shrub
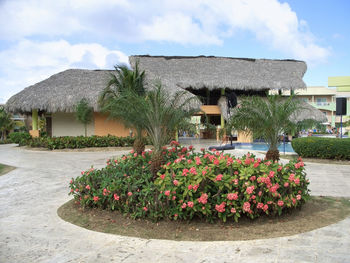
x: 325, y: 148
x: 19, y: 137
x: 80, y: 142
x: 208, y: 185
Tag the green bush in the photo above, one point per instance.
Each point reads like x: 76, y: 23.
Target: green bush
x: 19, y: 137
x: 80, y: 142
x: 325, y: 148
x: 208, y: 185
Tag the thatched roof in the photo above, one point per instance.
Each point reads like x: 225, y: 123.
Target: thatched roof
x: 222, y: 72
x: 61, y: 92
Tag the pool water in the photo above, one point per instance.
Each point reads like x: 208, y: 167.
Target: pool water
x: 263, y: 147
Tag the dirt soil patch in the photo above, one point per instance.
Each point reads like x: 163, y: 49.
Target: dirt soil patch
x: 4, y: 169
x: 316, y: 213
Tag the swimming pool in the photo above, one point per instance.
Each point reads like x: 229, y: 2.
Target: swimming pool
x: 257, y: 146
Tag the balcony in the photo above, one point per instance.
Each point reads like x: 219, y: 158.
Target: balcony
x: 324, y: 105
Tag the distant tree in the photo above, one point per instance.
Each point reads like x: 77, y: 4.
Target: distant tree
x: 6, y: 123
x: 84, y: 113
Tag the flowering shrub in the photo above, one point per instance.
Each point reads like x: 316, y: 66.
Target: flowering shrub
x: 207, y: 185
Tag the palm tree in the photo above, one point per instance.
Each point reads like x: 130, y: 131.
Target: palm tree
x: 267, y: 118
x: 115, y: 99
x: 160, y: 113
x: 6, y: 123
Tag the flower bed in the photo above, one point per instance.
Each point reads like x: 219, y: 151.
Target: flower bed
x: 209, y: 185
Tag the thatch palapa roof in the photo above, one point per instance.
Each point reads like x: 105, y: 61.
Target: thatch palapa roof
x: 222, y: 72
x: 61, y: 92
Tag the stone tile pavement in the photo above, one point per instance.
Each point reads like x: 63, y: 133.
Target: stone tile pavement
x: 31, y: 231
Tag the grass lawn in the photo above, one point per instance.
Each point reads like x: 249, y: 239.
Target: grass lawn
x: 4, y: 169
x: 317, y: 212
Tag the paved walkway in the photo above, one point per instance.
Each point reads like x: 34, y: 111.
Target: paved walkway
x: 31, y: 231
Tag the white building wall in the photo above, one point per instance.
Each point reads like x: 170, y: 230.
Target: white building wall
x: 65, y: 124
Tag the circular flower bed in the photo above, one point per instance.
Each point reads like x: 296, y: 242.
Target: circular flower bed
x: 207, y: 185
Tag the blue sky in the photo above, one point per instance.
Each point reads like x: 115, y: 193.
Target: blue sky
x: 41, y: 38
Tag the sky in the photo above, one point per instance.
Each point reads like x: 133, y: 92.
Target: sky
x: 39, y: 38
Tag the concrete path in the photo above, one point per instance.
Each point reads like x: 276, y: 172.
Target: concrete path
x: 31, y: 231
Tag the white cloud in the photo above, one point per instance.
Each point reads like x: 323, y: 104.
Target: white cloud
x: 29, y: 62
x: 207, y: 22
x: 41, y: 32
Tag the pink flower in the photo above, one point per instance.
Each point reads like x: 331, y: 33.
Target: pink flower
x: 233, y: 210
x: 298, y: 197
x: 232, y: 196
x: 279, y: 168
x: 204, y: 172
x: 260, y: 205
x: 116, y: 197
x: 87, y: 187
x: 247, y: 161
x: 252, y: 178
x: 198, y: 160
x: 129, y: 193
x: 190, y: 187
x: 167, y: 192
x: 145, y: 209
x: 280, y: 203
x: 250, y: 189
x: 203, y: 199
x: 294, y: 201
x: 220, y: 208
x: 265, y: 208
x: 96, y: 198
x: 260, y: 193
x: 175, y: 215
x: 216, y: 162
x: 246, y: 206
x: 219, y: 177
x: 162, y: 176
x: 202, y: 149
x: 183, y: 205
x: 296, y: 180
x: 271, y: 174
x: 256, y: 164
x: 235, y: 172
x: 175, y: 182
x: 235, y: 181
x: 185, y: 172
x: 174, y: 197
x: 189, y: 161
x: 193, y: 170
x: 195, y: 187
x: 190, y: 204
x: 71, y: 181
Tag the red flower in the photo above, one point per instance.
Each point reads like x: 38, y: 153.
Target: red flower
x: 175, y: 182
x: 246, y: 206
x: 116, y: 197
x: 232, y: 196
x: 203, y: 199
x: 96, y: 198
x: 162, y: 176
x: 280, y: 203
x: 87, y: 187
x: 190, y: 204
x: 129, y: 193
x: 167, y: 192
x: 219, y: 177
x: 145, y: 209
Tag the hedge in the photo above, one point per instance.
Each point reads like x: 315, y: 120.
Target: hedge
x: 324, y: 148
x: 78, y: 142
x: 208, y: 185
x: 19, y: 137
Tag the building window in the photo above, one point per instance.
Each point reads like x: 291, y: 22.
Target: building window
x: 321, y: 101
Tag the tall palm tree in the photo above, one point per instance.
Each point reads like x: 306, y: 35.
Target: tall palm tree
x: 115, y: 101
x: 267, y: 118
